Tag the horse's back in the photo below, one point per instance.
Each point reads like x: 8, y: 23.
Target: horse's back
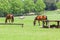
x: 44, y: 17
x: 41, y: 17
x: 9, y: 16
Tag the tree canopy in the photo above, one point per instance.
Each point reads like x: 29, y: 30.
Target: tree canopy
x: 18, y: 7
x: 58, y: 5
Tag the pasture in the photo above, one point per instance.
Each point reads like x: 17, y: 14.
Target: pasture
x: 30, y: 32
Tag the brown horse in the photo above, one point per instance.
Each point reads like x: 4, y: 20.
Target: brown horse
x: 40, y: 18
x: 9, y: 17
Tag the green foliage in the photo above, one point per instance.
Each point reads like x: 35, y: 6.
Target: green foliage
x: 58, y: 5
x: 39, y: 6
x: 29, y: 5
x: 18, y: 7
x: 4, y: 6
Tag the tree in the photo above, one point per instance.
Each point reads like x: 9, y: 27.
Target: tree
x: 50, y: 4
x: 29, y: 5
x: 39, y: 6
x: 4, y: 7
x: 16, y: 6
x: 58, y: 5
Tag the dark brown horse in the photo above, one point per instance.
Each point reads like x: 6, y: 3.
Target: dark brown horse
x: 40, y: 18
x: 9, y: 17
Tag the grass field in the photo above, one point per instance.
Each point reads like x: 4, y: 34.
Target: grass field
x: 30, y: 32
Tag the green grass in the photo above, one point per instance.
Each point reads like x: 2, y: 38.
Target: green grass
x: 30, y: 32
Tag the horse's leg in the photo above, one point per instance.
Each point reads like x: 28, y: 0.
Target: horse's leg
x: 39, y: 22
x: 6, y: 20
x: 43, y: 24
x: 34, y: 22
x: 12, y: 20
x: 46, y: 20
x: 9, y: 20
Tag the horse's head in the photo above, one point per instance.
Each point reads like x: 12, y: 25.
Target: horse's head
x: 34, y: 22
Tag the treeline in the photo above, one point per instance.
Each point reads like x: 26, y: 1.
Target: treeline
x: 20, y: 7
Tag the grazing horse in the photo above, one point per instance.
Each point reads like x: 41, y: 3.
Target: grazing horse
x: 40, y: 18
x: 9, y: 17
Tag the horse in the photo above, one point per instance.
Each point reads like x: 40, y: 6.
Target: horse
x: 9, y: 17
x: 40, y: 18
